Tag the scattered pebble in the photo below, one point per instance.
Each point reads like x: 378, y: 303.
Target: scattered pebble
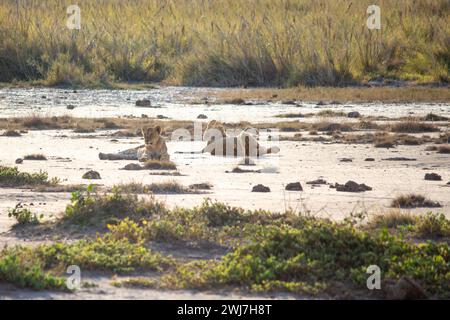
x: 19, y: 161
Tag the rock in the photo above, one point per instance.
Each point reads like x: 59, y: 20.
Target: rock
x: 321, y: 103
x: 202, y: 116
x: 448, y: 183
x: 346, y: 160
x: 132, y: 166
x: 70, y: 107
x: 143, y: 103
x: 353, y: 114
x: 352, y: 186
x: 318, y: 181
x: 144, y: 116
x: 260, y: 188
x: 433, y: 177
x: 369, y: 159
x: 295, y: 186
x: 91, y: 174
x: 19, y: 161
x: 160, y: 116
x: 403, y: 289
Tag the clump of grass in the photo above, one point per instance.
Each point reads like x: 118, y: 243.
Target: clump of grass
x: 23, y: 215
x: 35, y: 156
x: 12, y: 177
x: 392, y: 219
x: 330, y: 113
x: 332, y: 126
x: 413, y: 201
x: 37, y: 122
x: 91, y: 208
x: 290, y: 115
x: 168, y: 187
x: 141, y: 283
x: 433, y: 225
x: 160, y: 165
x: 413, y: 126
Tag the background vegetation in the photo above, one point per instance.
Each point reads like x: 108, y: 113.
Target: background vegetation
x: 224, y: 43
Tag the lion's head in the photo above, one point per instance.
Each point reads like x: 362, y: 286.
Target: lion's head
x: 151, y: 134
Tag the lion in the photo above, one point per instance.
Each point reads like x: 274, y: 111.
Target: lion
x: 155, y: 145
x: 244, y: 144
x: 155, y: 148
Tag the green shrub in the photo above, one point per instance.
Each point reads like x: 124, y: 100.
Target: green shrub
x: 433, y: 225
x: 23, y: 215
x: 12, y: 177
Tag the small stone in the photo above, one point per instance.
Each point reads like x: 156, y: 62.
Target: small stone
x: 19, y: 161
x: 433, y: 177
x: 132, y: 166
x: 295, y: 186
x: 70, y: 107
x: 160, y: 116
x: 91, y: 174
x: 353, y: 114
x: 260, y: 188
x: 369, y: 159
x: 202, y: 116
x: 346, y: 160
x: 143, y: 103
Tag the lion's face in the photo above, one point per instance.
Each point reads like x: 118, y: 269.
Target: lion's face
x: 151, y: 135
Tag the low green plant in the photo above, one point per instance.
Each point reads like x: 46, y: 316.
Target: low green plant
x: 23, y: 215
x: 12, y: 177
x: 433, y: 225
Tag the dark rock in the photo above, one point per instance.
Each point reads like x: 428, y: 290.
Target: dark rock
x: 19, y: 161
x: 132, y: 166
x: 91, y: 174
x: 160, y: 116
x: 352, y: 186
x: 403, y: 289
x: 202, y: 116
x: 321, y: 103
x: 295, y: 186
x: 346, y: 160
x: 144, y: 116
x: 11, y: 133
x: 433, y: 177
x: 143, y: 103
x: 318, y: 181
x: 353, y: 114
x: 260, y: 188
x: 369, y: 159
x: 70, y: 107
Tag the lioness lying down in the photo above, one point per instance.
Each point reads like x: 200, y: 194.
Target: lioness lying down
x: 155, y: 148
x: 244, y: 144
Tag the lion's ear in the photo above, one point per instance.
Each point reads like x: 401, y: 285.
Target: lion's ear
x: 158, y: 129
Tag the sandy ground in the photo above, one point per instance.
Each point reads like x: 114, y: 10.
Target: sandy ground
x: 69, y: 157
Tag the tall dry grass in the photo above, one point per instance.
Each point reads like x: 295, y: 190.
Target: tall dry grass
x: 224, y: 43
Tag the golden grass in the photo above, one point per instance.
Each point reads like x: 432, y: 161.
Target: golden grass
x: 224, y: 43
x: 392, y: 219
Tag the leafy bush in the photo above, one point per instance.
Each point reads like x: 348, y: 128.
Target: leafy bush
x: 433, y: 225
x: 23, y: 215
x: 12, y: 177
